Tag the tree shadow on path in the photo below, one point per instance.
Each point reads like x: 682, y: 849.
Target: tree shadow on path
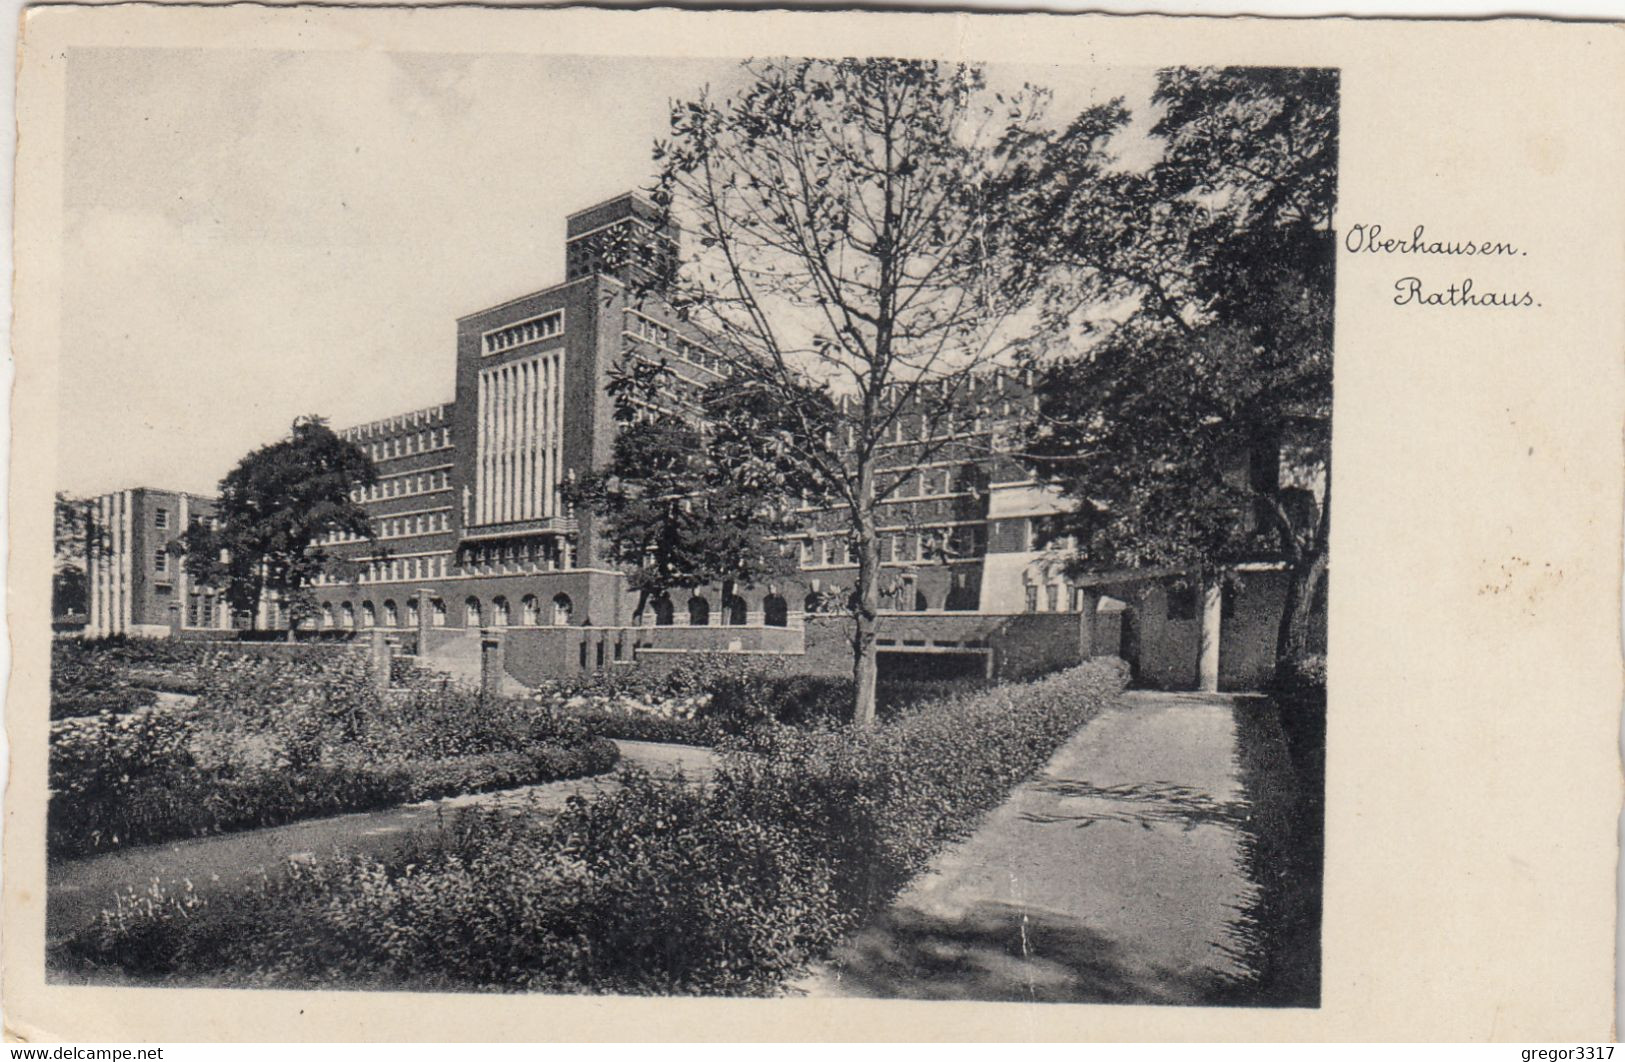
x: 1008, y: 953
x: 1140, y: 803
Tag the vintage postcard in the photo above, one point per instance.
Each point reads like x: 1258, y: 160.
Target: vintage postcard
x: 813, y: 525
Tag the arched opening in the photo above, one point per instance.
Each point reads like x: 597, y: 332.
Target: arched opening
x: 775, y: 611
x: 347, y: 616
x: 529, y: 614
x: 920, y: 603
x: 562, y: 608
x: 412, y: 612
x: 812, y: 604
x: 699, y: 611
x: 439, y: 615
x: 471, y: 612
x: 734, y: 611
x: 663, y: 611
x: 369, y: 615
x: 499, y: 611
x: 392, y: 615
x: 327, y: 615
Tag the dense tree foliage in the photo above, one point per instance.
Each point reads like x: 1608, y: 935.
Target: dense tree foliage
x: 1188, y: 412
x: 275, y: 510
x: 680, y: 506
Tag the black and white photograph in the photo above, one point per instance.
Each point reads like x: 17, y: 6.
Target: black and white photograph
x: 771, y: 525
x: 786, y: 526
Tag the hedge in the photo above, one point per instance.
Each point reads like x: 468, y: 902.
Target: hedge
x: 659, y: 887
x: 192, y: 802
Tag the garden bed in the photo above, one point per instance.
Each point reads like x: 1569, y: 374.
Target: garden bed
x: 660, y: 887
x: 269, y: 740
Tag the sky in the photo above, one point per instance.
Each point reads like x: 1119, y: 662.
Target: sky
x: 251, y: 235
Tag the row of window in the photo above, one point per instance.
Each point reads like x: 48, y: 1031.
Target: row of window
x: 685, y: 349
x: 397, y: 569
x: 915, y: 427
x: 532, y: 613
x: 420, y: 442
x: 685, y: 392
x: 401, y: 526
x: 200, y: 610
x: 530, y: 555
x: 546, y: 326
x: 405, y: 486
x: 938, y: 483
x: 968, y: 540
x: 1052, y: 597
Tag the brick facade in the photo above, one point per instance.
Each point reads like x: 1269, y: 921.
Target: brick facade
x: 467, y: 511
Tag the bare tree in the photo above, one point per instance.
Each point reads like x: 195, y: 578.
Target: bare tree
x: 836, y: 214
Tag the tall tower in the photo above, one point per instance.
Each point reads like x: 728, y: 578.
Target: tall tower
x: 621, y: 238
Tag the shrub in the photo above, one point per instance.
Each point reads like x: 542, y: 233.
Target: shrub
x: 274, y: 739
x: 1301, y: 676
x: 100, y: 753
x: 659, y: 887
x: 641, y: 891
x: 185, y: 801
x: 85, y: 682
x: 882, y: 801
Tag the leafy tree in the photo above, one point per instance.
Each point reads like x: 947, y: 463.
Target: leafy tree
x: 682, y: 507
x: 1193, y: 429
x: 275, y: 509
x: 837, y: 214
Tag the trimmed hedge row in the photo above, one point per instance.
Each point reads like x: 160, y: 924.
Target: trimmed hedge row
x: 659, y: 887
x: 192, y: 802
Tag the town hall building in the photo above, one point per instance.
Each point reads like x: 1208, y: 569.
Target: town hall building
x: 471, y: 533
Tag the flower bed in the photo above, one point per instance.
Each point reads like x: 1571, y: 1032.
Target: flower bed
x: 269, y: 740
x: 657, y: 888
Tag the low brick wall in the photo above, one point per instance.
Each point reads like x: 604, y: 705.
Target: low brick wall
x: 535, y: 654
x: 1023, y: 643
x: 1020, y: 645
x: 717, y: 639
x: 655, y: 663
